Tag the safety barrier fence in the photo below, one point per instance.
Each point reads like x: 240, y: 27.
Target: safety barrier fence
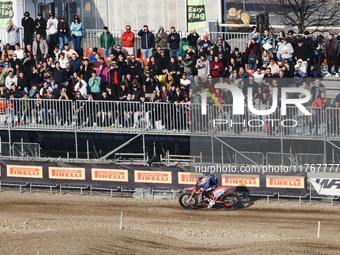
x: 166, y: 118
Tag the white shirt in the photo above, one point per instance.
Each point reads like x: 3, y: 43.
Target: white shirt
x: 63, y: 62
x: 9, y: 81
x: 185, y: 82
x: 52, y: 26
x: 20, y: 53
x: 81, y: 88
x: 258, y: 77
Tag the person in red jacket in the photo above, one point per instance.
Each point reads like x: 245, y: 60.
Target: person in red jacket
x: 128, y: 39
x: 319, y: 105
x: 216, y: 67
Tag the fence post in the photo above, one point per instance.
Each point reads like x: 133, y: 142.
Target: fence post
x: 310, y: 193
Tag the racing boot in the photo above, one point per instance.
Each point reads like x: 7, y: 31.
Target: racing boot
x: 211, y: 203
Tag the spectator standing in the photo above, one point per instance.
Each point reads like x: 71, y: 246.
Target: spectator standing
x: 216, y: 68
x: 192, y: 39
x: 128, y: 39
x: 76, y: 33
x: 203, y: 67
x: 285, y: 50
x: 161, y: 39
x: 173, y: 40
x: 13, y: 34
x: 63, y: 31
x: 103, y: 72
x: 267, y: 41
x: 332, y: 51
x: 148, y: 41
x: 106, y: 41
x: 40, y: 48
x: 40, y: 25
x: 254, y: 54
x: 291, y: 38
x: 52, y: 32
x: 28, y: 24
x: 94, y: 84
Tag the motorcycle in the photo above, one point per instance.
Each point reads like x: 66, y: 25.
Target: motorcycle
x: 224, y: 196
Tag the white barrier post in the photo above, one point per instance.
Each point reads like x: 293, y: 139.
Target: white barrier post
x: 121, y: 220
x: 318, y: 229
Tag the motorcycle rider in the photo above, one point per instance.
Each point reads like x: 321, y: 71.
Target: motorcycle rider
x: 207, y: 187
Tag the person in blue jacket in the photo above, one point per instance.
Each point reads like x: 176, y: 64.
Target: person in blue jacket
x: 207, y: 187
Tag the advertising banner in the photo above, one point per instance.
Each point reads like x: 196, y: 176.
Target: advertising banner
x: 325, y: 183
x: 196, y: 17
x: 111, y: 175
x: 6, y: 12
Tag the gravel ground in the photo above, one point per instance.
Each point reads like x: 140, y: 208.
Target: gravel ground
x: 73, y: 224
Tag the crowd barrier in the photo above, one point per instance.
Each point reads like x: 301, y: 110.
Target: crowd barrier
x: 106, y: 175
x: 162, y: 118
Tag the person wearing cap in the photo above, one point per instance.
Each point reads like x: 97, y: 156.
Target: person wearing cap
x: 76, y: 33
x: 128, y: 39
x: 148, y: 41
x: 28, y: 24
x: 40, y: 25
x: 205, y: 44
x: 161, y: 39
x: 13, y: 34
x: 106, y: 41
x: 52, y: 31
x: 63, y: 31
x: 173, y: 41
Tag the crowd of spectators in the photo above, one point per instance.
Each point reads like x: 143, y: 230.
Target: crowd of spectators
x: 48, y: 68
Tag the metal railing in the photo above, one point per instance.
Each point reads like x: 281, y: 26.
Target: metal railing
x: 166, y: 118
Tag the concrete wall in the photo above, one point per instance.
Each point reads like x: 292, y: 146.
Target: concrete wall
x: 117, y: 13
x: 154, y: 13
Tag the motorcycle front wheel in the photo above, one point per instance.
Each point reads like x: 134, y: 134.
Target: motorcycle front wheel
x: 185, y: 203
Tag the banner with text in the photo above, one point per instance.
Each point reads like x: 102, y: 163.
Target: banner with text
x: 325, y: 183
x: 111, y: 175
x: 6, y: 12
x: 196, y: 17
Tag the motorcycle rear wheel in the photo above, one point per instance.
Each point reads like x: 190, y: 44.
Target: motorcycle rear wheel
x: 183, y: 201
x: 233, y: 200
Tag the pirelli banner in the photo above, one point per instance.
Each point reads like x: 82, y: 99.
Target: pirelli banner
x: 143, y: 177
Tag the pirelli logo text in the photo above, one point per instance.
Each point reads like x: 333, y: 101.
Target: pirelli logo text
x: 66, y: 173
x: 241, y: 180
x: 153, y: 176
x: 24, y: 171
x: 115, y: 175
x: 188, y: 178
x: 290, y: 182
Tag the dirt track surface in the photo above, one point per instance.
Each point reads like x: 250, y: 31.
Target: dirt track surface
x: 74, y: 224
